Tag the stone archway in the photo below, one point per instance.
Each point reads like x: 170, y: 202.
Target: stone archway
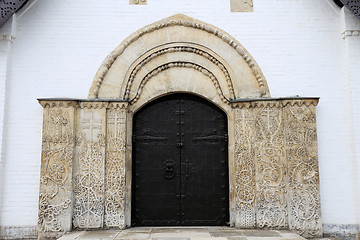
x: 87, y: 162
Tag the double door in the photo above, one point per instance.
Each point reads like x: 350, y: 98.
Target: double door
x: 180, y: 166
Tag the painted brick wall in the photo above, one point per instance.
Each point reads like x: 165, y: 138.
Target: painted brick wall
x: 298, y: 44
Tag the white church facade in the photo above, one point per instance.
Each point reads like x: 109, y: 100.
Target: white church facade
x: 118, y: 114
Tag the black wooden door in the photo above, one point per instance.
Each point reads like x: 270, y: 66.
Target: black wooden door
x: 180, y: 170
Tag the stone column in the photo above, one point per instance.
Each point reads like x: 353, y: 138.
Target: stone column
x: 89, y: 165
x: 115, y: 165
x: 56, y: 192
x: 244, y: 189
x: 302, y: 167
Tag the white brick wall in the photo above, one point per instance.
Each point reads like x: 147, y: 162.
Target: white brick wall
x: 298, y: 44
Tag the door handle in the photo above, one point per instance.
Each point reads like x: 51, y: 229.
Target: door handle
x: 180, y: 145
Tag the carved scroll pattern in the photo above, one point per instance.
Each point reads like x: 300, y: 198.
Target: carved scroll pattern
x: 303, y: 173
x: 115, y: 168
x: 56, y: 171
x: 89, y: 178
x: 270, y: 165
x: 244, y: 168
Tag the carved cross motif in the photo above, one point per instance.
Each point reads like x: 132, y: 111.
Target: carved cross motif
x: 91, y: 124
x: 243, y: 116
x: 268, y: 113
x: 116, y: 119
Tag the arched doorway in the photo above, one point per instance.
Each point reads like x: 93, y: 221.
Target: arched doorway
x: 267, y: 149
x: 180, y: 163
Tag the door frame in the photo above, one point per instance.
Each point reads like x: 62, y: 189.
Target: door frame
x: 133, y: 109
x: 226, y: 125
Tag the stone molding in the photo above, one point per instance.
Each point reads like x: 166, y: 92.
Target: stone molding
x: 181, y: 47
x: 83, y: 103
x: 184, y: 21
x: 164, y: 67
x: 275, y: 102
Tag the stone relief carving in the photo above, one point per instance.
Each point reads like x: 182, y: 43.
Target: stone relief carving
x: 89, y: 164
x: 179, y: 49
x: 303, y: 180
x: 270, y: 168
x: 183, y: 65
x: 283, y: 134
x: 189, y: 23
x: 244, y: 168
x: 276, y: 167
x: 115, y: 166
x: 56, y: 171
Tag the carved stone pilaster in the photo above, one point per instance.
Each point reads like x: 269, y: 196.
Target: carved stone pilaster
x: 303, y: 169
x: 115, y: 165
x: 245, y: 216
x: 56, y: 192
x: 270, y: 163
x: 89, y: 165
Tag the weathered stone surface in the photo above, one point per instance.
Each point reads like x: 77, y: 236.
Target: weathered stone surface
x: 115, y: 165
x: 303, y: 169
x: 245, y: 168
x: 89, y: 165
x: 55, y: 198
x: 270, y: 165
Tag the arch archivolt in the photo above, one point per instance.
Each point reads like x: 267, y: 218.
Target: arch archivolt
x: 179, y: 55
x: 179, y: 39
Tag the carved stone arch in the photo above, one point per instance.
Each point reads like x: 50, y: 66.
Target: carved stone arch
x: 179, y: 40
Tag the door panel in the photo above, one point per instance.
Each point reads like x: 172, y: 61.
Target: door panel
x: 180, y: 175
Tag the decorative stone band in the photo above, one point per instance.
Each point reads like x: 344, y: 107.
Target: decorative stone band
x: 190, y: 23
x: 164, y: 67
x: 83, y: 103
x: 174, y: 49
x: 275, y: 102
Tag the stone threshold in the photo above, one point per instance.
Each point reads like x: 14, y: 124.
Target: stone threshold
x: 183, y: 233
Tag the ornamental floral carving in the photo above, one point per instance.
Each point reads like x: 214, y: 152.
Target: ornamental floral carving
x: 244, y: 168
x: 115, y: 168
x: 89, y: 183
x: 56, y: 171
x: 270, y: 168
x: 303, y: 172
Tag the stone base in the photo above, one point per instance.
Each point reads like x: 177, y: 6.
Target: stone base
x: 342, y: 231
x: 28, y: 232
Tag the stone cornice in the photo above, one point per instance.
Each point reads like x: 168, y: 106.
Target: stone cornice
x: 93, y: 105
x: 82, y: 103
x: 275, y: 102
x: 58, y: 103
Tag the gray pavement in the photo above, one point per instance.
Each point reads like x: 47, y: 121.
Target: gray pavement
x: 183, y: 233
